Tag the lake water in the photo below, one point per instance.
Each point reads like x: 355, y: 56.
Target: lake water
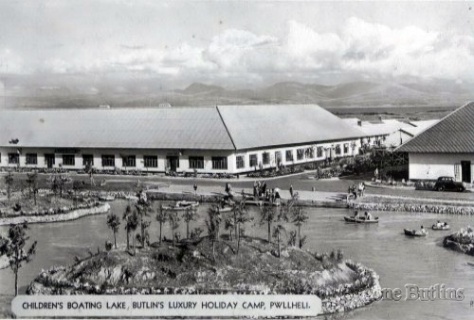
x: 398, y: 260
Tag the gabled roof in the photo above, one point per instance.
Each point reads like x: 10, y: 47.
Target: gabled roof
x: 418, y: 127
x: 212, y: 128
x: 150, y: 128
x: 453, y: 134
x: 253, y: 126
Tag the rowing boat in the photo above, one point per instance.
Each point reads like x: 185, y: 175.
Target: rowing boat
x: 441, y: 227
x: 361, y: 220
x: 415, y: 233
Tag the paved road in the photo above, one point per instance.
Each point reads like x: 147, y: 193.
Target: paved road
x: 301, y: 182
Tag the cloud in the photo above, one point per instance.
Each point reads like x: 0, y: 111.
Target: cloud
x: 357, y: 47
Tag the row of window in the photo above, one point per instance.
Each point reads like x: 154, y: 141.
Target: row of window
x: 109, y: 161
x: 301, y: 154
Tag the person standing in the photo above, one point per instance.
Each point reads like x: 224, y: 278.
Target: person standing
x: 291, y: 191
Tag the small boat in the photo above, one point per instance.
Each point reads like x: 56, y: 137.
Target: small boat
x: 440, y: 227
x: 415, y: 233
x: 224, y: 209
x: 361, y: 220
x: 262, y: 203
x: 185, y: 203
x: 181, y: 206
x: 106, y: 197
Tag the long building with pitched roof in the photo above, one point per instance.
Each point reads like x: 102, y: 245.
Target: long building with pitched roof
x: 231, y: 139
x: 444, y: 149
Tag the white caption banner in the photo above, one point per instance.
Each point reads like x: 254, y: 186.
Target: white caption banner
x: 166, y: 306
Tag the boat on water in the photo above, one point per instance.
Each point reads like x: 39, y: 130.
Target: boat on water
x: 415, y: 233
x: 440, y: 227
x: 106, y: 197
x: 261, y: 203
x: 181, y: 206
x: 224, y: 209
x: 361, y: 220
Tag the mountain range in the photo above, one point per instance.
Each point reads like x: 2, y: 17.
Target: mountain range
x: 149, y: 92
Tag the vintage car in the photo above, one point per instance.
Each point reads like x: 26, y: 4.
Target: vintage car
x: 448, y: 184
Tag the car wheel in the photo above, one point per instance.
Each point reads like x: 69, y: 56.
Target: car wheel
x: 461, y: 189
x: 440, y: 188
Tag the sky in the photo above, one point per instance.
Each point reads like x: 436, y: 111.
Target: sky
x: 238, y: 43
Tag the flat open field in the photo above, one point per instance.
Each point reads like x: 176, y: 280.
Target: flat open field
x: 404, y: 113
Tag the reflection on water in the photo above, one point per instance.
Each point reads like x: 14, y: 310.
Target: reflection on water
x: 398, y: 260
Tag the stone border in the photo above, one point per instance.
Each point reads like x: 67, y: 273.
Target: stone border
x: 61, y: 217
x: 341, y: 299
x: 350, y: 301
x: 419, y: 208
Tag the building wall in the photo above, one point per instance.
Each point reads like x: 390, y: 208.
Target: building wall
x: 117, y: 153
x: 329, y: 151
x: 431, y: 166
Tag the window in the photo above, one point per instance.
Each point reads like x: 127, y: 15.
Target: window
x: 319, y: 152
x: 240, y: 162
x: 253, y: 160
x: 309, y: 152
x: 196, y: 162
x: 87, y: 160
x: 346, y: 148
x: 219, y: 163
x: 266, y: 158
x: 108, y: 161
x: 299, y: 154
x: 150, y: 161
x: 31, y: 158
x: 129, y: 161
x: 289, y: 155
x: 278, y: 157
x: 338, y: 149
x: 69, y: 160
x: 13, y: 158
x: 368, y: 139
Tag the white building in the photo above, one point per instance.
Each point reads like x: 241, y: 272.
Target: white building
x: 232, y: 139
x: 407, y: 133
x: 376, y: 133
x: 444, y: 149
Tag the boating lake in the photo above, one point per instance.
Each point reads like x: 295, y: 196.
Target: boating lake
x: 398, y: 259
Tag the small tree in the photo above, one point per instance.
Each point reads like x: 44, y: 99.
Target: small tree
x: 188, y: 216
x: 113, y: 222
x: 131, y: 222
x: 241, y: 217
x: 76, y: 187
x: 268, y: 215
x: 9, y: 183
x: 32, y: 180
x: 298, y: 217
x: 173, y: 220
x: 14, y: 248
x: 143, y: 209
x: 213, y: 227
x: 161, y: 217
x: 229, y: 225
x: 277, y: 231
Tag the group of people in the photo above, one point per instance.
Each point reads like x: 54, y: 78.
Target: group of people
x: 367, y: 215
x: 260, y: 191
x: 356, y: 191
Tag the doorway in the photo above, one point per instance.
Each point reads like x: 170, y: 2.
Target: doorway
x: 49, y: 158
x: 173, y: 163
x: 466, y: 171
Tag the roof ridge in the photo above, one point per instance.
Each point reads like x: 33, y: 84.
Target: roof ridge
x: 225, y: 126
x: 413, y: 140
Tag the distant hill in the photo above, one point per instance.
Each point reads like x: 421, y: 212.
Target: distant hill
x: 149, y: 92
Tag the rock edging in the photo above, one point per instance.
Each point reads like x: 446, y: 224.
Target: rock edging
x: 344, y: 300
x: 420, y: 208
x: 71, y: 215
